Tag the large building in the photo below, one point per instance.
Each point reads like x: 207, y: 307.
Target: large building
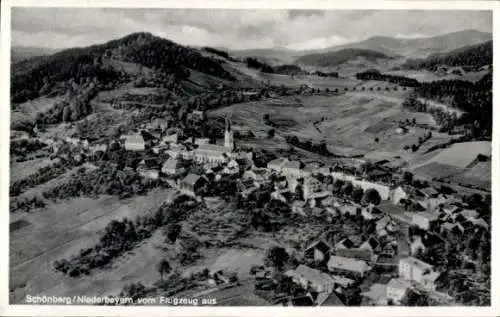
x: 215, y: 155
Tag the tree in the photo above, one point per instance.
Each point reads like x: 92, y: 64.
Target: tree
x: 408, y: 177
x: 347, y: 189
x: 372, y: 196
x: 414, y: 148
x: 271, y: 133
x: 163, y: 267
x: 276, y: 256
x: 172, y: 231
x: 357, y: 194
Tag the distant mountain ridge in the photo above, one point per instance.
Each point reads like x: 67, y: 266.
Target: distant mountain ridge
x: 19, y: 53
x: 336, y: 58
x: 468, y: 56
x: 390, y: 46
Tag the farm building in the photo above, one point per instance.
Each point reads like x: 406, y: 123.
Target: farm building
x: 427, y: 242
x: 308, y: 277
x: 424, y: 220
x: 134, y: 142
x: 348, y: 266
x: 192, y: 184
x: 172, y: 166
x: 319, y: 251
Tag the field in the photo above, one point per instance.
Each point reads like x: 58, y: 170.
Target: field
x: 27, y: 111
x: 349, y: 122
x: 22, y: 170
x: 458, y: 164
x: 428, y: 76
x: 61, y: 230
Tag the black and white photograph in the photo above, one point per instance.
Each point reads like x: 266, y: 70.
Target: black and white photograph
x: 204, y: 157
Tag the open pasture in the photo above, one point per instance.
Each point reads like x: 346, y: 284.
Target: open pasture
x: 22, y: 170
x: 60, y: 231
x: 27, y: 111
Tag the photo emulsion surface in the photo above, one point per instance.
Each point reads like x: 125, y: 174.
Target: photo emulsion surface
x: 222, y: 157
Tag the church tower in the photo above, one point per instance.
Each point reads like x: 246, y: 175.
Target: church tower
x: 228, y: 137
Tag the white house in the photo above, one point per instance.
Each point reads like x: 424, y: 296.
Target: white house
x: 398, y: 194
x: 308, y: 277
x: 232, y: 168
x: 412, y: 269
x: 172, y: 166
x: 311, y: 185
x: 134, y: 142
x: 397, y: 289
x: 424, y: 220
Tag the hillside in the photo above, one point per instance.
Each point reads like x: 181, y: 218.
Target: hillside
x: 336, y: 58
x: 474, y: 56
x: 31, y: 78
x: 418, y: 47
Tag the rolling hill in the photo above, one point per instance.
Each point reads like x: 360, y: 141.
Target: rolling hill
x: 418, y: 47
x: 30, y: 77
x: 473, y: 56
x: 336, y: 58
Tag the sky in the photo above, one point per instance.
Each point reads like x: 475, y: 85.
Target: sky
x: 234, y: 29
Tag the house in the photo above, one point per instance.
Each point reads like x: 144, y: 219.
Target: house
x: 341, y: 281
x: 478, y: 222
x: 428, y: 192
x: 211, y: 154
x: 172, y: 166
x: 292, y: 168
x: 283, y: 195
x: 277, y: 164
x: 427, y: 242
x: 134, y: 142
x: 398, y: 194
x: 412, y: 269
x: 348, y: 266
x: 232, y: 168
x: 172, y: 138
x: 310, y: 169
x: 192, y: 184
x: 311, y: 185
x: 397, y: 290
x: 331, y: 299
x: 370, y: 213
x: 382, y: 223
x: 350, y: 210
x: 259, y: 176
x: 316, y: 198
x: 376, y: 295
x: 299, y: 206
x: 327, y: 201
x: 202, y: 141
x: 469, y: 213
x: 371, y: 245
x: 311, y: 278
x: 318, y: 251
x: 425, y: 220
x: 454, y: 228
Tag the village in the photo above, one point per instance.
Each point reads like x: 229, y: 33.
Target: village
x: 395, y: 234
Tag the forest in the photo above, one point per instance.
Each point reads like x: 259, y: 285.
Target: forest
x: 34, y: 77
x: 471, y: 56
x: 376, y: 75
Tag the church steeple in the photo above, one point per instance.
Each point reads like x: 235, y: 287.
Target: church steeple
x: 228, y: 136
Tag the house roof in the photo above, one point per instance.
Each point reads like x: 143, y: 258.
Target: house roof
x: 292, y: 164
x: 314, y: 276
x: 429, y: 191
x: 399, y: 284
x: 371, y: 244
x: 430, y: 239
x: 171, y: 163
x: 302, y: 301
x: 279, y: 161
x: 320, y: 244
x: 134, y: 138
x: 331, y: 300
x: 416, y: 263
x: 469, y: 213
x: 478, y: 222
x: 376, y: 292
x: 427, y: 215
x: 342, y: 281
x: 431, y: 276
x: 450, y: 226
x: 191, y: 179
x: 349, y: 264
x: 299, y: 203
x: 390, y: 208
x: 345, y: 244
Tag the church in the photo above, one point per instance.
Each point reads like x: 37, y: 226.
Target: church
x: 215, y: 155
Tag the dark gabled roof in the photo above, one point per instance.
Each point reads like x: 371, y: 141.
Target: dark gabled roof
x: 431, y: 239
x: 347, y: 243
x: 321, y: 245
x: 333, y: 300
x: 429, y: 191
x: 191, y: 179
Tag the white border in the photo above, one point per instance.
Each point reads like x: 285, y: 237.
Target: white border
x: 36, y: 310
